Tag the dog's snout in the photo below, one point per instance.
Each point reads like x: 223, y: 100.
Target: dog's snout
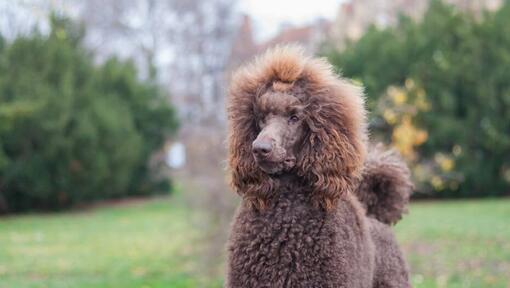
x: 262, y: 147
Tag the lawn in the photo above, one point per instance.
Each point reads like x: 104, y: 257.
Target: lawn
x: 458, y: 243
x: 144, y: 244
x: 150, y: 244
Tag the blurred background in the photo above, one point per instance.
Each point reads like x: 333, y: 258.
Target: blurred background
x: 113, y: 127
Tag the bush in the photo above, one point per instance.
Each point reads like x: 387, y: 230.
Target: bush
x: 458, y: 64
x: 72, y: 131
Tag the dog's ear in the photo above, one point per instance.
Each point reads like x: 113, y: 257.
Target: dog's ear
x: 255, y: 186
x: 334, y: 147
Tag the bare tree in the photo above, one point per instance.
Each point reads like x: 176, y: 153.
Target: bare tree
x: 22, y: 17
x: 140, y: 30
x: 187, y: 41
x: 205, y: 35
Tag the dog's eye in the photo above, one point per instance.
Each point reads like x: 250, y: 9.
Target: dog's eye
x: 293, y: 119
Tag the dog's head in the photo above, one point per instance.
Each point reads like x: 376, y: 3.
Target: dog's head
x: 292, y: 114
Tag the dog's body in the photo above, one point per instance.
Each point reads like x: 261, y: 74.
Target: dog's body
x: 293, y: 244
x: 298, y: 158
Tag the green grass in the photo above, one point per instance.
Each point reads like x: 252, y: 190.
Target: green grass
x: 151, y: 244
x: 138, y: 245
x: 458, y: 243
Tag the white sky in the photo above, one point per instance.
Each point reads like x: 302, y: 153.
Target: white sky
x: 268, y: 15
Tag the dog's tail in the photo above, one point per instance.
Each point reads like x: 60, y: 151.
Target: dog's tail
x: 385, y: 186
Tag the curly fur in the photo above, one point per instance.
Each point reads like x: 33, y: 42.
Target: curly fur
x: 307, y: 229
x: 386, y: 186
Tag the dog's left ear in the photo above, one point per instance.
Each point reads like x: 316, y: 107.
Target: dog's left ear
x: 334, y: 149
x: 247, y: 179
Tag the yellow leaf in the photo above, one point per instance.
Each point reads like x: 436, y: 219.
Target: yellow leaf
x: 409, y: 84
x: 399, y: 97
x: 447, y: 164
x: 437, y: 183
x: 390, y: 117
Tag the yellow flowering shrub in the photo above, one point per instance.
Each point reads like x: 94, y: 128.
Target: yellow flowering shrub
x: 400, y: 107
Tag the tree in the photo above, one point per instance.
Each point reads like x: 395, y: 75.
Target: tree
x: 460, y: 62
x: 75, y: 132
x: 188, y: 41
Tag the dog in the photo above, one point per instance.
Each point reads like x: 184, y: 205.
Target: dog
x: 316, y: 206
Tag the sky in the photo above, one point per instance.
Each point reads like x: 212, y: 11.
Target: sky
x: 268, y: 15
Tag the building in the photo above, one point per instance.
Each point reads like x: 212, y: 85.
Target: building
x: 355, y: 16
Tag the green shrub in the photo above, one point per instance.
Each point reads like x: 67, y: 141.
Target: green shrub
x: 462, y: 63
x: 72, y: 131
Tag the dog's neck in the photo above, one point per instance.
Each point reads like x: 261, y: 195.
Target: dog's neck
x: 289, y: 184
x: 289, y: 191
x: 287, y: 179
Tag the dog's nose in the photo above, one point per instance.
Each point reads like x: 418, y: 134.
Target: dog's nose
x: 262, y: 147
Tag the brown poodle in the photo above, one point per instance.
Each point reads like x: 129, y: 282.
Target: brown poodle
x: 298, y: 157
